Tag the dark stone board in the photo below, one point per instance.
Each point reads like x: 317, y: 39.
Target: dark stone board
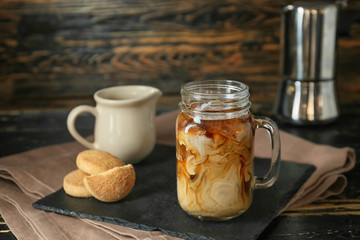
x: 152, y: 204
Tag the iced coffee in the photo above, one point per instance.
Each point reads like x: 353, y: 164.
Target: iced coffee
x: 215, y: 165
x: 215, y: 138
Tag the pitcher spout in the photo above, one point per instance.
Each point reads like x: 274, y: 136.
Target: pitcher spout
x: 156, y: 95
x: 151, y: 96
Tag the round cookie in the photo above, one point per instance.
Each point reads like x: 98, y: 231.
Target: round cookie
x: 73, y: 184
x: 96, y: 161
x: 112, y: 185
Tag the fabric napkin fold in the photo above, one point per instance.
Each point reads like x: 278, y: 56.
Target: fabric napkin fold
x: 29, y: 176
x: 330, y: 163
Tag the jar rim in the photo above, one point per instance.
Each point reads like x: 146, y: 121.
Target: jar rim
x: 221, y: 88
x: 215, y: 99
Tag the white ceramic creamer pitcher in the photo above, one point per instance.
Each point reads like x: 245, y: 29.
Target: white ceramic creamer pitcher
x: 124, y: 121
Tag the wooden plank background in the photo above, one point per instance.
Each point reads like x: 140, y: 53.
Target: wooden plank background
x: 57, y: 53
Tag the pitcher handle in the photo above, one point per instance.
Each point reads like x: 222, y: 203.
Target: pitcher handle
x: 271, y: 176
x: 74, y: 113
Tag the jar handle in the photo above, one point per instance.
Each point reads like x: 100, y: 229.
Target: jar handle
x: 271, y: 176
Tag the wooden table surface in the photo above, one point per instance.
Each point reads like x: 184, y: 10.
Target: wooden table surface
x: 337, y: 217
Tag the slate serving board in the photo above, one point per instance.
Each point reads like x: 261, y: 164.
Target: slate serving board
x: 152, y: 204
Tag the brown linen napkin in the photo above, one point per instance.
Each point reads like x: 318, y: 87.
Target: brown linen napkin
x: 31, y: 175
x: 330, y: 163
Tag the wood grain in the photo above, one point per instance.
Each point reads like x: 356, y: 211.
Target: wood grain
x: 58, y: 52
x: 4, y: 229
x: 327, y: 207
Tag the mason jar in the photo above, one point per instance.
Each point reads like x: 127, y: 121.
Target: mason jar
x: 215, y: 150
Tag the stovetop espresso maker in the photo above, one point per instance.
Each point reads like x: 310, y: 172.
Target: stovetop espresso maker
x: 307, y: 90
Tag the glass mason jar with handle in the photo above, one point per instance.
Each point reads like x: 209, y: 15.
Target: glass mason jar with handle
x: 215, y: 150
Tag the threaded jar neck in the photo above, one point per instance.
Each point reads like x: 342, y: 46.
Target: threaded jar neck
x: 215, y: 99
